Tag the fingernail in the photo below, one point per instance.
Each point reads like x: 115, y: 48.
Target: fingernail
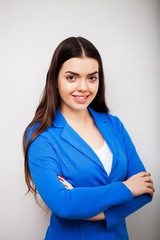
x: 60, y: 176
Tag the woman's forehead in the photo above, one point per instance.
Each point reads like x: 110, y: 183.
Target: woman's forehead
x: 78, y: 65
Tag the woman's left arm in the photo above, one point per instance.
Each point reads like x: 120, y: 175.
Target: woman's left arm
x: 115, y: 214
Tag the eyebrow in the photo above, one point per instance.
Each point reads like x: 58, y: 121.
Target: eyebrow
x: 77, y: 74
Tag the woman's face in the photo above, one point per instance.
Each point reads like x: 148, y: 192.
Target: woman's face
x: 78, y: 82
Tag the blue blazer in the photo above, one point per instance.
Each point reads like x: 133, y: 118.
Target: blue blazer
x: 60, y: 150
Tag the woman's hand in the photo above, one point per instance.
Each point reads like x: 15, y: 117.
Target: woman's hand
x: 140, y: 183
x: 100, y: 216
x: 65, y: 183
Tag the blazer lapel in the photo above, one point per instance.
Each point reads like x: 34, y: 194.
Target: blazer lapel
x: 101, y: 122
x: 73, y: 138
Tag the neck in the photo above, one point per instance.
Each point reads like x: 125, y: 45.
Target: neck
x: 76, y: 117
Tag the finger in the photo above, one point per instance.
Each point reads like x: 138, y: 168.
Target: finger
x: 66, y: 184
x: 60, y: 177
x: 151, y: 194
x: 143, y: 174
x: 148, y: 179
x: 150, y: 191
x: 69, y: 185
x: 150, y: 186
x: 66, y: 187
x: 61, y: 180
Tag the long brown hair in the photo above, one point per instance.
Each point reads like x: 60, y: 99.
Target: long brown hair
x: 50, y: 101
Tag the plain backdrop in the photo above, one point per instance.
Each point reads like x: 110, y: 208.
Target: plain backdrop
x: 126, y: 33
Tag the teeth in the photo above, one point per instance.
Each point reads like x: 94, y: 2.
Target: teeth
x: 81, y: 97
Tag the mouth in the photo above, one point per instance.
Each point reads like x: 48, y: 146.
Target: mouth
x: 80, y: 98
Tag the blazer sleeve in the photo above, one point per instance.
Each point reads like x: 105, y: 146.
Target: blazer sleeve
x: 117, y: 213
x: 76, y: 203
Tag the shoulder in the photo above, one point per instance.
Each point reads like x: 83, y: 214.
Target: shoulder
x: 44, y: 136
x: 114, y: 124
x: 31, y: 131
x: 111, y: 120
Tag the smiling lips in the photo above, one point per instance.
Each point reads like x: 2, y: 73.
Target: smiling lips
x: 80, y: 98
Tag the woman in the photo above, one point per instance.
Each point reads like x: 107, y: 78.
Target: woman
x: 80, y: 158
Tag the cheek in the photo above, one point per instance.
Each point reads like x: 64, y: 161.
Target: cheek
x: 65, y: 88
x: 94, y: 88
x: 68, y: 87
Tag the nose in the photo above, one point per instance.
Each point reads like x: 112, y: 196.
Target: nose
x: 82, y: 85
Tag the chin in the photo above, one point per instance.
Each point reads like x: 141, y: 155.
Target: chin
x: 80, y: 107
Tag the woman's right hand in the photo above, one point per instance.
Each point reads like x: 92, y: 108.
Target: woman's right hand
x: 140, y: 183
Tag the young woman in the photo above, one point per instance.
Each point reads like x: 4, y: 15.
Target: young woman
x: 80, y: 158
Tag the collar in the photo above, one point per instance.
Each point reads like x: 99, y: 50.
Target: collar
x: 60, y: 121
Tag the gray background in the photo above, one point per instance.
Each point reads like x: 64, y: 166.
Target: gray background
x: 126, y: 33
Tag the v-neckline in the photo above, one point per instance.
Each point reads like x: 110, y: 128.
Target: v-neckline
x: 70, y: 135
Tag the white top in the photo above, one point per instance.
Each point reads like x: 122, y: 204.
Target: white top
x: 105, y: 155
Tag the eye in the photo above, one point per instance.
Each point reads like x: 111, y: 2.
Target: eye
x: 71, y: 78
x: 93, y: 79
